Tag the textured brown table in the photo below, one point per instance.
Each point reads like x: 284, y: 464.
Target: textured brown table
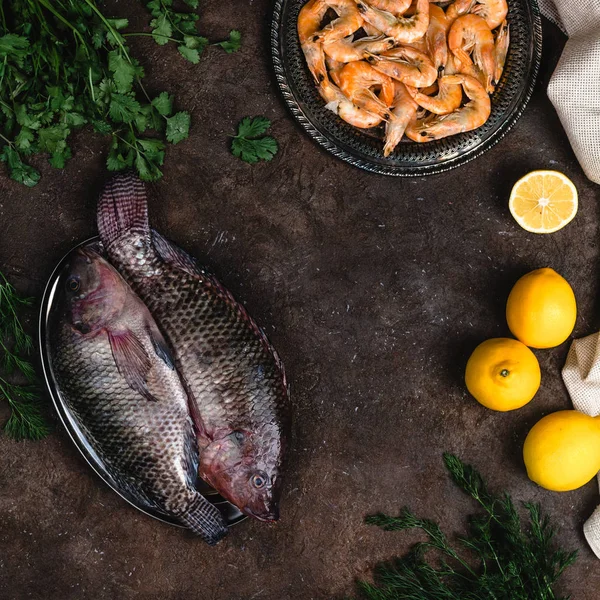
x: 374, y: 290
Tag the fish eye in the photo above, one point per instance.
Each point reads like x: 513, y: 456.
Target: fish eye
x: 73, y: 284
x: 259, y: 480
x: 239, y: 436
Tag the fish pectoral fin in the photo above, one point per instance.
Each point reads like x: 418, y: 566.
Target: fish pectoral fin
x: 160, y: 345
x: 132, y: 360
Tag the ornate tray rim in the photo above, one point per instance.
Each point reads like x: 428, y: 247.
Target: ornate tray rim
x: 398, y: 170
x: 231, y: 514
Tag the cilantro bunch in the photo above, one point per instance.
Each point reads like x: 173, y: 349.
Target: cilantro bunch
x: 64, y: 64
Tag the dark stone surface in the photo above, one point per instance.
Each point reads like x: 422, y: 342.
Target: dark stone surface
x: 374, y: 290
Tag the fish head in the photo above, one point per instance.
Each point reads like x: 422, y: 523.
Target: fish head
x: 246, y: 471
x: 94, y: 293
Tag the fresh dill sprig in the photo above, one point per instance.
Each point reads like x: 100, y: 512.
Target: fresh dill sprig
x: 26, y: 420
x: 499, y: 559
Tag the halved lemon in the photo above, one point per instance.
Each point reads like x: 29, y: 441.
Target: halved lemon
x: 543, y: 201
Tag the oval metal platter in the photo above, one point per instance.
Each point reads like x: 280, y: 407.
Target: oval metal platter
x: 230, y: 512
x: 364, y: 147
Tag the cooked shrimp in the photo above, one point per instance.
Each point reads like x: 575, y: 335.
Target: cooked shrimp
x: 347, y: 50
x: 309, y: 21
x: 405, y: 64
x: 420, y: 45
x: 347, y: 22
x: 471, y: 33
x: 341, y: 106
x: 429, y: 90
x: 370, y: 30
x: 400, y: 28
x: 396, y: 7
x: 448, y: 98
x: 333, y: 69
x: 493, y: 11
x: 357, y: 80
x: 502, y: 42
x: 436, y: 36
x: 412, y: 130
x: 458, y: 9
x: 474, y: 114
x: 404, y: 111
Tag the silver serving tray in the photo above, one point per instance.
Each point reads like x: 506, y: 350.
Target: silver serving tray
x: 231, y: 513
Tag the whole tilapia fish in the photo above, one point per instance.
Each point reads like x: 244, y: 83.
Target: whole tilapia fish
x: 231, y: 372
x: 116, y: 374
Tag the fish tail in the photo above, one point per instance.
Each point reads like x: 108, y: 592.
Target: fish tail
x: 122, y: 208
x: 205, y: 520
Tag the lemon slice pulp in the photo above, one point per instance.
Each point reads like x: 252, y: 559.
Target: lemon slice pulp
x: 543, y: 201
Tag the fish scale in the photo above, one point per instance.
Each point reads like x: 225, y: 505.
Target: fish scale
x: 234, y: 377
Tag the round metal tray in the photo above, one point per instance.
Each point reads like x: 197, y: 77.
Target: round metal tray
x: 364, y: 148
x: 231, y: 513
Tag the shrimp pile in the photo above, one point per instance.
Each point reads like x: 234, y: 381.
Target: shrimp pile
x: 425, y: 71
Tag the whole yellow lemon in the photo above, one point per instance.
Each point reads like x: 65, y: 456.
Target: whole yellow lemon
x: 541, y: 309
x: 562, y: 451
x: 502, y: 374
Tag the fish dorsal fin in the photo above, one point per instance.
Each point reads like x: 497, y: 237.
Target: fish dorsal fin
x: 122, y: 208
x: 174, y: 255
x: 132, y: 360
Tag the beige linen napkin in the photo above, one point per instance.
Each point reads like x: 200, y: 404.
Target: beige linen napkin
x: 574, y: 88
x: 581, y: 375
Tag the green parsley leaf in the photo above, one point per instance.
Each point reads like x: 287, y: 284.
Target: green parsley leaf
x: 123, y: 71
x: 234, y: 42
x: 51, y: 139
x: 248, y: 146
x: 15, y: 47
x: 123, y: 108
x: 192, y: 3
x: 162, y: 29
x: 163, y: 104
x: 178, y: 127
x: 153, y: 150
x: 253, y: 126
x: 23, y: 117
x: 59, y: 159
x: 19, y: 171
x: 118, y: 23
x: 190, y: 54
x: 147, y: 169
x: 24, y: 140
x: 195, y: 42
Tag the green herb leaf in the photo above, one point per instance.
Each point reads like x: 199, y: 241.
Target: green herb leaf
x: 162, y: 29
x: 18, y: 170
x: 123, y: 108
x: 24, y: 140
x: 234, y: 42
x: 163, y: 104
x: 123, y: 71
x: 251, y: 127
x: 190, y: 54
x: 248, y: 146
x: 178, y: 127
